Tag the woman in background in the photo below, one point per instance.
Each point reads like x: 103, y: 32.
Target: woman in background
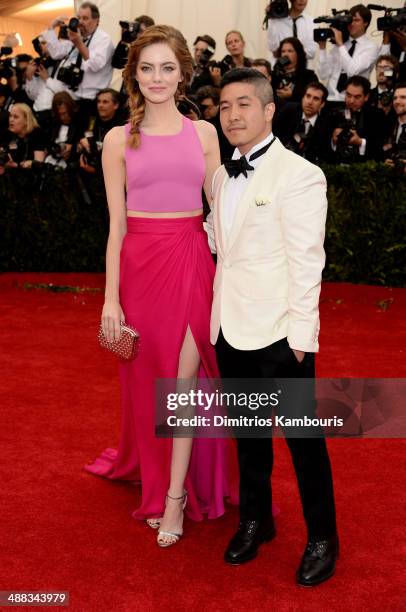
x: 23, y: 140
x: 289, y: 82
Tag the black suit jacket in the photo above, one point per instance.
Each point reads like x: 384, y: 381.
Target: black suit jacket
x: 371, y: 125
x: 315, y: 147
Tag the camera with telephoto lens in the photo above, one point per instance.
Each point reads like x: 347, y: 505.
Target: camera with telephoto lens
x: 340, y: 20
x: 345, y: 151
x: 73, y: 26
x: 7, y: 64
x: 93, y: 156
x: 129, y: 31
x: 206, y: 56
x: 56, y: 150
x: 72, y: 76
x: 279, y: 77
x: 277, y: 9
x: 393, y: 19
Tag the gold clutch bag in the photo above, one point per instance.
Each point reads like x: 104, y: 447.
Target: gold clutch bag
x: 126, y: 347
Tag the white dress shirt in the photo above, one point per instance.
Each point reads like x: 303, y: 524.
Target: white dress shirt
x: 278, y: 29
x: 338, y: 60
x: 42, y: 92
x: 97, y: 69
x: 311, y: 121
x: 233, y: 191
x: 235, y: 186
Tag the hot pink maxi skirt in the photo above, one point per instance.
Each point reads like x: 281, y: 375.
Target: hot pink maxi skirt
x: 166, y: 285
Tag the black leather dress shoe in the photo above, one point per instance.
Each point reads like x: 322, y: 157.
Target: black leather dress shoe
x: 244, y: 544
x: 318, y: 562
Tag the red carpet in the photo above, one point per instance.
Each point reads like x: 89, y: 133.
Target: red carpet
x: 62, y: 529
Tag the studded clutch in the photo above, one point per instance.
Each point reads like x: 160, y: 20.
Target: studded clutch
x: 126, y: 347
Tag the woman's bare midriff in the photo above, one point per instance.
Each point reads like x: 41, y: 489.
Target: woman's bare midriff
x: 164, y: 215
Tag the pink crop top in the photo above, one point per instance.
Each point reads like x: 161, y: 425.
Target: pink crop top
x: 165, y: 173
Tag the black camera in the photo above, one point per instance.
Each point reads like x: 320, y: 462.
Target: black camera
x: 386, y: 97
x: 345, y: 151
x: 7, y: 64
x: 129, y: 31
x: 72, y: 76
x: 206, y: 56
x: 393, y: 19
x: 56, y: 150
x: 278, y: 9
x: 73, y: 26
x: 340, y: 20
x: 93, y: 156
x: 280, y: 78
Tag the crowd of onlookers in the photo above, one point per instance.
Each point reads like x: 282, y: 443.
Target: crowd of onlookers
x: 57, y: 107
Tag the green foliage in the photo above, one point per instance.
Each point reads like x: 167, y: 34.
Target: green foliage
x: 55, y: 221
x: 366, y: 225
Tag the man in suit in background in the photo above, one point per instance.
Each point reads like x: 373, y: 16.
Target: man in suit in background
x: 268, y: 221
x: 303, y: 128
x: 359, y: 130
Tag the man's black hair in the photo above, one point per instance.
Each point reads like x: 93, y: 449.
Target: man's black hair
x: 320, y: 87
x: 363, y: 11
x: 253, y: 77
x: 359, y: 81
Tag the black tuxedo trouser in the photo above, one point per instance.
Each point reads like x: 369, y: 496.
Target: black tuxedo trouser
x: 309, y: 455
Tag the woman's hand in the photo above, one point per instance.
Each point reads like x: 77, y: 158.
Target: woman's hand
x: 112, y: 315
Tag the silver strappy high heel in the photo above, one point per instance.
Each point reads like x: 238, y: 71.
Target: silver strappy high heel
x: 176, y: 536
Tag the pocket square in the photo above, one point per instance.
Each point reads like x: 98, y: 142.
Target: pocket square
x: 261, y: 201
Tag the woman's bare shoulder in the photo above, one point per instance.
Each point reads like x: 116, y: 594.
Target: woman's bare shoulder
x: 207, y: 134
x: 116, y: 136
x: 205, y: 128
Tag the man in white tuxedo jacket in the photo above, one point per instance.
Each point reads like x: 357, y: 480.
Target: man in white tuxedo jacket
x: 267, y: 226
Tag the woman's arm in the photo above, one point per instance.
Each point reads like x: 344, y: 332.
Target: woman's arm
x: 210, y: 144
x: 114, y: 178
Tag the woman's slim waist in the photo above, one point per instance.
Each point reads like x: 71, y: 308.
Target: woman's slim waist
x: 164, y: 225
x: 140, y: 214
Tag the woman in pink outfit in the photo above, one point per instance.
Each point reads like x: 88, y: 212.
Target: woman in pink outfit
x: 159, y: 276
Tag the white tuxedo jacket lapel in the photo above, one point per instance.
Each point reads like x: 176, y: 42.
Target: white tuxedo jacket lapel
x: 264, y: 173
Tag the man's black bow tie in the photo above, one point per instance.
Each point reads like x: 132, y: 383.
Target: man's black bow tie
x: 235, y: 167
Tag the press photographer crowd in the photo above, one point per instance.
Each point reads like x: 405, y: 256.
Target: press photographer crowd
x: 57, y: 106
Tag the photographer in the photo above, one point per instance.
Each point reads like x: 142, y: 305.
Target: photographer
x: 394, y: 39
x: 23, y: 142
x: 16, y: 75
x: 358, y: 130
x: 293, y: 23
x: 290, y: 75
x: 395, y: 147
x: 86, y: 56
x: 303, y: 128
x: 205, y: 71
x: 108, y: 116
x: 235, y: 44
x: 387, y: 74
x: 130, y: 30
x: 64, y: 132
x: 356, y: 56
x: 39, y: 84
